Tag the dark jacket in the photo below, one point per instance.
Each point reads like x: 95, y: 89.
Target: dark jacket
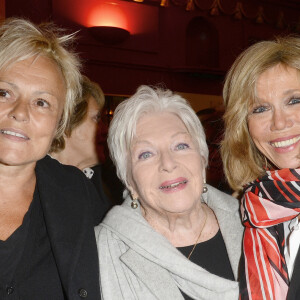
x: 294, y: 288
x: 71, y: 208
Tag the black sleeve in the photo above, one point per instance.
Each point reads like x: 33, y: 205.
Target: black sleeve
x: 97, y: 181
x: 99, y: 202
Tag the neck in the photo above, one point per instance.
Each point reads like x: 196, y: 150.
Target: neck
x: 183, y: 229
x: 17, y: 183
x: 70, y: 156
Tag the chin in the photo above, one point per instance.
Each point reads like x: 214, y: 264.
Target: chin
x: 179, y: 209
x: 289, y: 165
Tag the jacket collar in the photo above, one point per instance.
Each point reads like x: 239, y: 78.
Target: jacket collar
x: 66, y: 229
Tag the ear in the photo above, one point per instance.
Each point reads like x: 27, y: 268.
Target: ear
x: 133, y: 193
x: 131, y: 188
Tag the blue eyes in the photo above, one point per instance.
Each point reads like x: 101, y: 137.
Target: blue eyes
x: 182, y: 146
x: 294, y: 101
x: 147, y: 154
x: 260, y: 109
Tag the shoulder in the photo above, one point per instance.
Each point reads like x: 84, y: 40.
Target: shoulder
x: 55, y: 172
x: 69, y: 184
x: 218, y: 199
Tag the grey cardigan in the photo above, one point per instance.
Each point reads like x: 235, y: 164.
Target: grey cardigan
x: 136, y: 262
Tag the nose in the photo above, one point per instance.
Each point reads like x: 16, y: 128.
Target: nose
x: 19, y: 112
x: 281, y: 120
x: 167, y: 162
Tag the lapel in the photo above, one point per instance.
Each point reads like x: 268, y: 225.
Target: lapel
x: 226, y: 209
x: 65, y: 216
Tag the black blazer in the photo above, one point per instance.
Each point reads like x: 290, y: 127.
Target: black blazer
x: 71, y: 208
x: 294, y: 289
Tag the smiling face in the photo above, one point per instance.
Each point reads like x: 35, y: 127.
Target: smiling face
x: 274, y: 119
x: 32, y: 97
x: 167, y: 169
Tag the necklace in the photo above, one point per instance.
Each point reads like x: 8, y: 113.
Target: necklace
x: 198, y: 236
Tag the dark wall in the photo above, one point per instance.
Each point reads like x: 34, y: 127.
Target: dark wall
x: 188, y: 51
x: 35, y: 10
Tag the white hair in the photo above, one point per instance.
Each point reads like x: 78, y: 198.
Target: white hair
x: 148, y: 100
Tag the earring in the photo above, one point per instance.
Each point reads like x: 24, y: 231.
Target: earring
x: 204, y: 187
x: 134, y: 203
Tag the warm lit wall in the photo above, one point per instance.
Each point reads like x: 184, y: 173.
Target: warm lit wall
x: 156, y: 51
x: 200, y: 101
x: 2, y: 9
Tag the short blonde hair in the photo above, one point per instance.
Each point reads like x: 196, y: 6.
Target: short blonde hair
x: 20, y: 39
x: 243, y: 162
x: 147, y: 100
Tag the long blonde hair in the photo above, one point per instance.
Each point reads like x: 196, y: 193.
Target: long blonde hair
x: 242, y: 161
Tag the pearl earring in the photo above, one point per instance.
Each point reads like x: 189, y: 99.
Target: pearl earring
x: 134, y: 203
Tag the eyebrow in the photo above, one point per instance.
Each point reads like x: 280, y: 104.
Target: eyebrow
x: 285, y: 93
x: 37, y: 92
x: 291, y: 91
x: 180, y: 133
x: 9, y: 83
x: 172, y: 136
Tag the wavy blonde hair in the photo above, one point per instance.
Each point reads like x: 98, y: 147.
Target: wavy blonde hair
x: 243, y: 162
x: 20, y: 39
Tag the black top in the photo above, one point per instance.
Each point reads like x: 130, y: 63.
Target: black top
x: 30, y: 244
x: 11, y: 251
x: 59, y: 256
x: 210, y: 255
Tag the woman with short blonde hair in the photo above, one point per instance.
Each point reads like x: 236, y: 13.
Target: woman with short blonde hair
x: 47, y: 241
x: 20, y: 39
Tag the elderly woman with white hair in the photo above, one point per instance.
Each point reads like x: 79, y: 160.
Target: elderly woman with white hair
x: 174, y: 237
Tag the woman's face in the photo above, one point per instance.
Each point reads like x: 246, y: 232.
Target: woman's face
x: 274, y: 120
x: 167, y: 169
x: 32, y: 97
x: 84, y: 135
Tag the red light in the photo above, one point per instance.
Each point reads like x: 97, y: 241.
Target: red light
x: 107, y: 14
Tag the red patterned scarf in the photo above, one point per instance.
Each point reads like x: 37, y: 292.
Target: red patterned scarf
x: 266, y: 204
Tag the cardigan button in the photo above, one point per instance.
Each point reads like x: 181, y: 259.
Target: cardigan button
x: 9, y: 290
x: 82, y: 293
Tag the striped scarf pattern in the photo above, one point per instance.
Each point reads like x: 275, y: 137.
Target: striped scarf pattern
x: 267, y: 203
